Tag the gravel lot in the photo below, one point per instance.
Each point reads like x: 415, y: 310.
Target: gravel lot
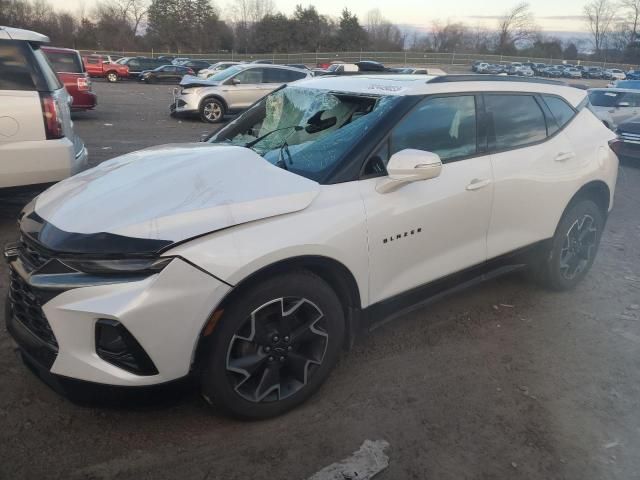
x: 504, y: 380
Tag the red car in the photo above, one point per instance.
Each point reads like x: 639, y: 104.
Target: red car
x: 105, y: 66
x: 68, y: 66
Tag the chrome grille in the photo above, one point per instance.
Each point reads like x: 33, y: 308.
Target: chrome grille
x: 630, y: 137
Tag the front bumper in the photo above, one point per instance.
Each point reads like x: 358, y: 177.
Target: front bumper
x: 165, y: 312
x: 629, y: 149
x: 184, y: 104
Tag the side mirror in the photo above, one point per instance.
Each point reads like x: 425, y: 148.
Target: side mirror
x: 235, y: 81
x: 410, y: 165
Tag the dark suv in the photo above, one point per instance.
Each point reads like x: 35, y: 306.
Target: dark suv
x: 137, y: 65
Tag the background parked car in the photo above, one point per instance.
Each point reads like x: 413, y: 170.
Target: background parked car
x: 137, y: 65
x: 301, y: 66
x: 593, y: 72
x: 166, y: 74
x: 628, y: 144
x: 37, y: 140
x: 231, y: 90
x: 614, y: 105
x: 196, y: 65
x: 68, y: 65
x: 633, y: 75
x: 215, y: 68
x: 179, y: 60
x: 626, y: 84
x: 552, y: 72
x: 617, y: 74
x: 513, y: 68
x: 105, y: 66
x: 525, y: 71
x: 572, y: 72
x: 475, y: 64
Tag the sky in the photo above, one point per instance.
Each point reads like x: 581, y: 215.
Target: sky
x: 551, y: 15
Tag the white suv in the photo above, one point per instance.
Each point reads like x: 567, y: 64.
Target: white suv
x: 253, y: 259
x: 37, y: 141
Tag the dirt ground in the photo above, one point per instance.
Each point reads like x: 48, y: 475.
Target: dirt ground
x: 504, y: 380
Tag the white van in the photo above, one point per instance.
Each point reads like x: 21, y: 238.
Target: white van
x: 37, y: 141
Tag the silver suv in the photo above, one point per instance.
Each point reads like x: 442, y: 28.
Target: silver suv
x: 230, y: 90
x: 37, y: 141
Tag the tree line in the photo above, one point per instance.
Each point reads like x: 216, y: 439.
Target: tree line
x: 256, y: 26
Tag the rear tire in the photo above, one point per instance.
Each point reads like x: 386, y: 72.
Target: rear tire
x: 212, y: 110
x: 274, y: 346
x: 573, y: 247
x: 112, y: 77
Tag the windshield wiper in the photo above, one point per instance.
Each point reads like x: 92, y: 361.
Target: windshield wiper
x: 250, y: 144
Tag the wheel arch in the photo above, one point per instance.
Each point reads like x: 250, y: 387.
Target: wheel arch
x: 597, y: 191
x: 333, y: 272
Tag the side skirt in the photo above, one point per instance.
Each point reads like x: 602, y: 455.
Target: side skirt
x: 384, y: 311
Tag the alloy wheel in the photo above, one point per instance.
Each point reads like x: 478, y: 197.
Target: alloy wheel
x: 212, y: 111
x: 112, y: 77
x: 579, y: 247
x: 276, y: 351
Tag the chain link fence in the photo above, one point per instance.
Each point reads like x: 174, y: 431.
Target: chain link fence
x: 392, y: 59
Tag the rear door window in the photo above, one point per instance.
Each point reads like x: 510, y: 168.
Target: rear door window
x: 65, y: 62
x: 251, y: 76
x: 15, y: 73
x: 517, y: 121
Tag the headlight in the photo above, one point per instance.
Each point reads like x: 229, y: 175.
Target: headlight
x: 122, y: 266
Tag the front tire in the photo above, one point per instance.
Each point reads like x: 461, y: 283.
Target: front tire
x: 112, y: 77
x: 274, y: 346
x: 573, y: 248
x: 212, y: 110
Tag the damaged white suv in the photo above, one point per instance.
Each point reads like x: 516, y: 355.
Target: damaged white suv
x: 253, y: 259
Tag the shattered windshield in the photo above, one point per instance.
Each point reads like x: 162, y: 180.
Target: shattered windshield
x: 305, y: 130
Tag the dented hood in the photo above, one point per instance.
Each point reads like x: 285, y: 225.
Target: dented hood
x: 165, y: 194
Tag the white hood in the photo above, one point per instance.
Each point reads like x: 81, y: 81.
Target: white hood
x: 174, y: 192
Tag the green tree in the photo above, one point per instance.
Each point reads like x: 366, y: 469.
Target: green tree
x: 272, y: 34
x: 351, y: 35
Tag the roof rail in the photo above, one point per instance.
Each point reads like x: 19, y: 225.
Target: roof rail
x: 493, y: 78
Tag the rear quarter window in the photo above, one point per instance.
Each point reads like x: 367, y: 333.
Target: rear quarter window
x: 561, y: 111
x: 15, y: 70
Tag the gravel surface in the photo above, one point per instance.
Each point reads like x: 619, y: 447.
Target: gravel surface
x: 504, y: 380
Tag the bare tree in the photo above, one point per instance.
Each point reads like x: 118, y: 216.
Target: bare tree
x: 632, y: 8
x: 599, y: 16
x: 516, y: 25
x: 383, y: 35
x: 132, y: 12
x: 448, y: 37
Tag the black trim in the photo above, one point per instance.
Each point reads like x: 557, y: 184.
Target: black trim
x: 102, y: 245
x: 386, y: 310
x: 494, y: 78
x: 101, y: 394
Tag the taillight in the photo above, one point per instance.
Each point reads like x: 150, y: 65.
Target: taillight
x: 84, y: 84
x: 51, y: 117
